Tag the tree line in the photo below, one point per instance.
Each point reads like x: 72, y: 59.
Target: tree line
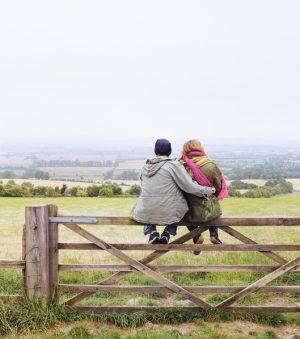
x: 29, y: 173
x: 269, y: 189
x: 124, y: 175
x: 27, y: 189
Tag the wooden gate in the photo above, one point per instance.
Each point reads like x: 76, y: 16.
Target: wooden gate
x: 42, y: 264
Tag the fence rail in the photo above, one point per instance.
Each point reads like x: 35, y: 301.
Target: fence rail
x: 41, y: 267
x: 7, y: 263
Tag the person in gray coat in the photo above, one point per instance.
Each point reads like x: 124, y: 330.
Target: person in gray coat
x: 163, y: 181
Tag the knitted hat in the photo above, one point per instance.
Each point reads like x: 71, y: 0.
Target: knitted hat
x: 162, y: 147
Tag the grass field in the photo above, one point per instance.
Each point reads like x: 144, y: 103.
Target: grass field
x: 12, y: 219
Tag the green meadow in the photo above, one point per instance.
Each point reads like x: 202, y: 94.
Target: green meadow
x: 12, y: 219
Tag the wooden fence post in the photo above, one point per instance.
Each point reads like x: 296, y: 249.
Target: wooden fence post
x: 37, y: 252
x: 53, y: 254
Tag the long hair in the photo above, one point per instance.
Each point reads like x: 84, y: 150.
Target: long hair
x: 192, y: 145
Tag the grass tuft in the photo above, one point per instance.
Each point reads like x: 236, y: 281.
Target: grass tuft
x: 80, y: 331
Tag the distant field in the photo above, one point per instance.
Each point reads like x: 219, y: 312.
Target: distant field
x: 92, y: 173
x: 131, y: 164
x: 125, y: 184
x: 77, y: 156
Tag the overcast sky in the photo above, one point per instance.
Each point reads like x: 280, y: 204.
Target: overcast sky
x: 150, y: 68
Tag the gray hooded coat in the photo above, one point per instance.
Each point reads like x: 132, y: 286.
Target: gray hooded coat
x: 161, y: 201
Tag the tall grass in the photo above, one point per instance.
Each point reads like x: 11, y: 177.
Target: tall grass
x: 27, y: 316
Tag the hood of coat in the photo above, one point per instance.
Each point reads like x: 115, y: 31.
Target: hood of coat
x: 154, y: 165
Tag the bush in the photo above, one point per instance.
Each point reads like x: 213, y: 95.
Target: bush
x: 41, y: 175
x: 270, y: 188
x: 135, y: 190
x: 93, y: 191
x: 81, y: 192
x: 9, y: 190
x: 106, y: 191
x: 240, y: 185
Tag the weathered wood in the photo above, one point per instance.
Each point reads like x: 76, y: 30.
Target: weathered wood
x: 133, y: 309
x: 184, y: 247
x: 76, y: 220
x: 149, y: 258
x: 234, y: 233
x: 259, y: 283
x: 138, y: 265
x: 7, y: 263
x: 169, y: 268
x: 24, y: 258
x: 152, y: 289
x: 37, y: 253
x: 221, y: 222
x: 53, y: 254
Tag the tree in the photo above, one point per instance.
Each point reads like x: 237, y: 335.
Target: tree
x: 93, y: 191
x: 135, y: 190
x: 28, y: 184
x: 106, y: 191
x: 42, y: 175
x: 63, y: 189
x: 51, y: 192
x: 15, y: 191
x: 81, y: 192
x: 39, y: 191
x: 117, y: 190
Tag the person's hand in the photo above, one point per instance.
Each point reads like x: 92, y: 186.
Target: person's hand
x: 213, y: 190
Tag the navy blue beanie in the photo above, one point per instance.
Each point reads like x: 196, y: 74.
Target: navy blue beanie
x: 163, y: 147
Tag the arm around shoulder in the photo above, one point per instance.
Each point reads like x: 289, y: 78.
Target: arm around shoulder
x: 185, y: 182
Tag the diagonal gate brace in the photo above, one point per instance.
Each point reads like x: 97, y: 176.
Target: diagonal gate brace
x: 138, y: 265
x: 149, y: 258
x: 259, y: 283
x: 234, y: 233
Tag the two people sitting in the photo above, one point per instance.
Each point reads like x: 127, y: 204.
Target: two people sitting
x: 169, y: 187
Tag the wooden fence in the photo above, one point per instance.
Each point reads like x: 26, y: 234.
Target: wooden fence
x: 40, y: 262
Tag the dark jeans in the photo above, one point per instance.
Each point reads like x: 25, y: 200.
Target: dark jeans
x: 150, y: 228
x: 172, y: 229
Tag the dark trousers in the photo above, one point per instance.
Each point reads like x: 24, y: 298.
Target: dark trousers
x: 173, y: 229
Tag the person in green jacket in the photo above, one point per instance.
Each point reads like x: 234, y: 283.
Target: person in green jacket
x: 162, y: 202
x: 194, y: 153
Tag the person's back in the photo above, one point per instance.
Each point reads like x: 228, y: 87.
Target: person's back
x: 161, y: 200
x: 206, y: 172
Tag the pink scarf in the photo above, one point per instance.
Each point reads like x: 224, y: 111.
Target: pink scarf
x: 201, y: 178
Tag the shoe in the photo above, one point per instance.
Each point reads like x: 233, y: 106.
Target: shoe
x: 198, y: 239
x: 214, y: 239
x: 154, y: 238
x: 165, y: 237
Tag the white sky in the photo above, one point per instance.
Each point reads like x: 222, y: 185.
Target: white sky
x: 150, y: 68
